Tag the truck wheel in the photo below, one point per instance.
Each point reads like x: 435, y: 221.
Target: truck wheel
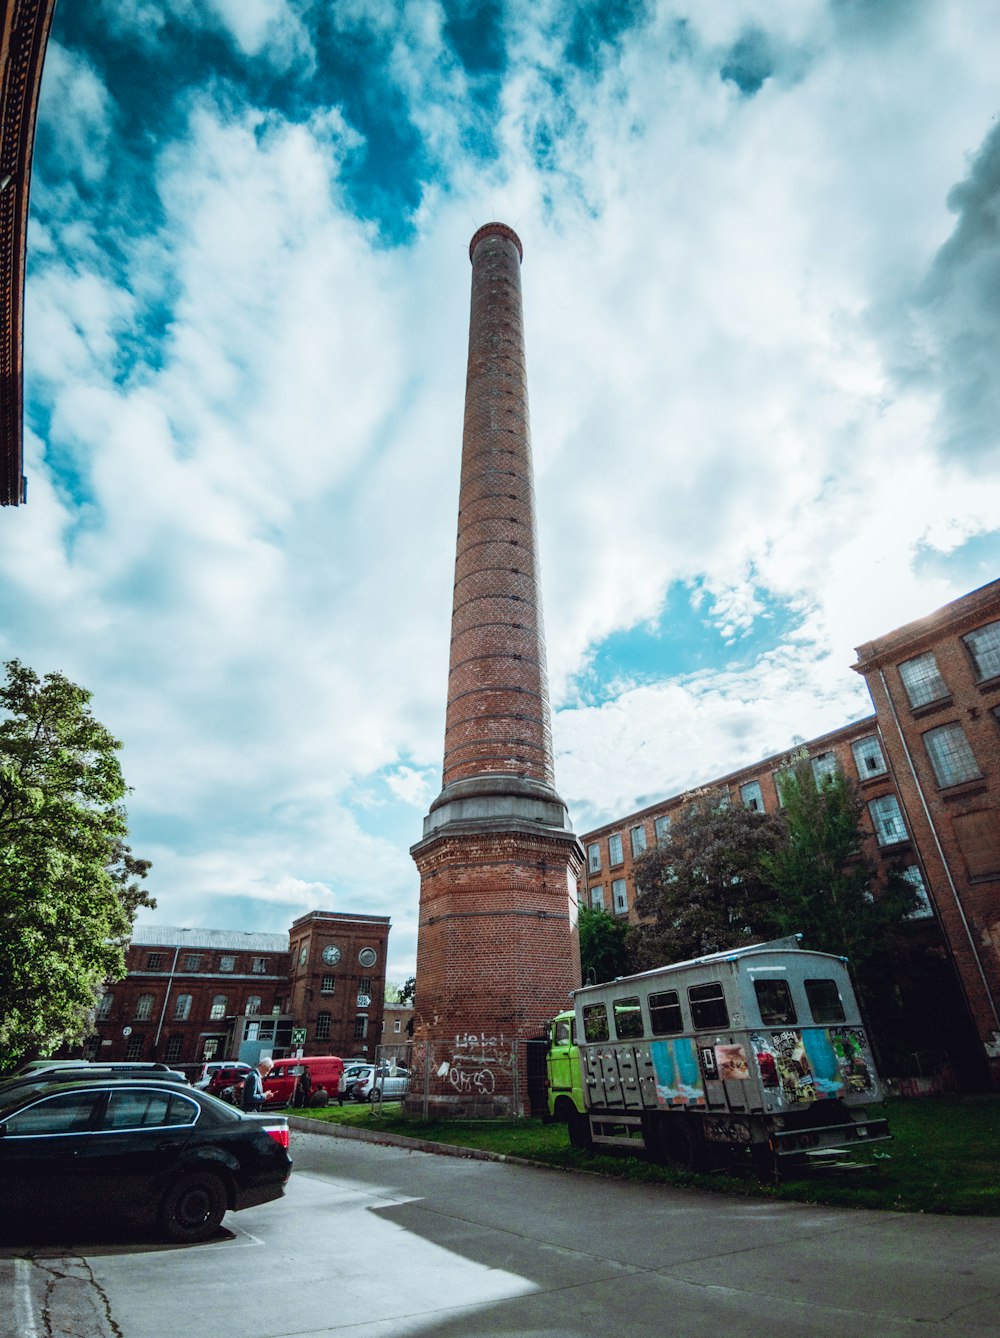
x: 579, y: 1132
x: 192, y: 1208
x: 684, y: 1145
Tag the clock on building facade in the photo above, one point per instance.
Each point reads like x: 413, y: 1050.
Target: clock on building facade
x: 331, y: 954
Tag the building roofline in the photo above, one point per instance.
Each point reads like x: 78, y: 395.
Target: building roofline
x: 966, y: 609
x: 842, y: 734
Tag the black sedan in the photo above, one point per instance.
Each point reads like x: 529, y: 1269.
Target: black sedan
x: 149, y: 1149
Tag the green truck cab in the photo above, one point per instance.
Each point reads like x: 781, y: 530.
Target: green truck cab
x: 565, y: 1078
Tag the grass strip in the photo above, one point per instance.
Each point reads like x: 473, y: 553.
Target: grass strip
x: 944, y: 1157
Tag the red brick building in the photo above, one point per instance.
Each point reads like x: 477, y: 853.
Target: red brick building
x: 193, y: 994
x: 498, y: 946
x: 935, y: 684
x: 928, y: 767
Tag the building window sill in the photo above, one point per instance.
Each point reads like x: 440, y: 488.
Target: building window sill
x: 948, y: 794
x: 931, y: 708
x: 990, y: 684
x: 894, y: 847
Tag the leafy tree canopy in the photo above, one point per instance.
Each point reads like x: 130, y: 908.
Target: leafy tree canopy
x: 822, y: 874
x: 401, y: 994
x: 603, y: 946
x: 702, y: 888
x: 69, y: 884
x: 728, y: 876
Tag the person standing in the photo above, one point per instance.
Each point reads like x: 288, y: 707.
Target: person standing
x: 254, y: 1096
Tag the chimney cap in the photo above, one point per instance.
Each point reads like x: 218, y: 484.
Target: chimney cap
x: 496, y: 230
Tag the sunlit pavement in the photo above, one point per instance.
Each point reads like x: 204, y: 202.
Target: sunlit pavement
x: 387, y: 1241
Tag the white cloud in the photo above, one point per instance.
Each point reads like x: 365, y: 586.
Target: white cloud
x: 733, y: 387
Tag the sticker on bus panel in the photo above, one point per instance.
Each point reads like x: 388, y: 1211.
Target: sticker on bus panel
x: 678, y: 1075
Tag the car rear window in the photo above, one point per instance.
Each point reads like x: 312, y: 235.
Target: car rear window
x: 133, y: 1109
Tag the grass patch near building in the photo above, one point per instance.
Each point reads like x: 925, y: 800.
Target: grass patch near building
x: 944, y: 1156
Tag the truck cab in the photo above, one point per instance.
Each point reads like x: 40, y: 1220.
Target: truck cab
x: 564, y: 1077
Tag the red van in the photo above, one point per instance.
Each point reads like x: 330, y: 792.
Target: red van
x: 325, y: 1071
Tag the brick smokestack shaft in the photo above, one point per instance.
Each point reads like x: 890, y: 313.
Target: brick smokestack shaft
x: 498, y: 699
x: 498, y: 947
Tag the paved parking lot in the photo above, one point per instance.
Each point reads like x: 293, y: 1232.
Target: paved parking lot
x: 387, y: 1241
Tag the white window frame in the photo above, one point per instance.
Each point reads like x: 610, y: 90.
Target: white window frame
x: 182, y: 1007
x: 594, y: 857
x: 923, y: 909
x: 823, y: 765
x: 615, y: 855
x: 887, y: 819
x: 144, y: 1007
x: 220, y: 1002
x: 619, y: 896
x: 922, y: 681
x: 951, y: 755
x: 870, y: 747
x: 252, y: 1006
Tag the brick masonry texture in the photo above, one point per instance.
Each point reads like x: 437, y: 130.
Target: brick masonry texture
x: 498, y: 706
x: 498, y: 948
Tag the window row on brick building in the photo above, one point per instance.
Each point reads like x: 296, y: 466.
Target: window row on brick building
x: 927, y: 764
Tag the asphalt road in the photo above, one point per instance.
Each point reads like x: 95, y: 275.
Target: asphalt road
x: 390, y: 1242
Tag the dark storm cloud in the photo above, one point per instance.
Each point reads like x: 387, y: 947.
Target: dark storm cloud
x: 961, y: 301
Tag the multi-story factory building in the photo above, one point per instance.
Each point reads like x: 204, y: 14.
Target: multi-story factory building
x: 927, y: 763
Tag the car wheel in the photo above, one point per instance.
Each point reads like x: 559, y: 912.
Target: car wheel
x: 375, y: 1094
x: 193, y: 1207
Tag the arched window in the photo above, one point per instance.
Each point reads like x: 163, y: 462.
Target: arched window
x: 182, y: 1007
x: 253, y: 1006
x: 105, y: 1005
x: 218, y: 1009
x: 144, y: 1007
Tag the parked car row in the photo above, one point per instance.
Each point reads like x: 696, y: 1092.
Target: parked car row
x: 310, y: 1080
x: 135, y: 1141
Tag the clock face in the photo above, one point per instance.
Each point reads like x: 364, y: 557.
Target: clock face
x: 303, y: 955
x: 331, y: 954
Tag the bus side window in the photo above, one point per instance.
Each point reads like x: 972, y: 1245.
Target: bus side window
x: 774, y: 999
x: 595, y: 1022
x: 708, y: 1005
x: 628, y: 1019
x: 825, y: 1001
x: 665, y: 1014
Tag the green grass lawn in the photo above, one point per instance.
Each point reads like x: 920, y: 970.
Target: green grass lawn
x: 944, y: 1157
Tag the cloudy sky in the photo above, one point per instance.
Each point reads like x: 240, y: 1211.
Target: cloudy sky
x: 762, y: 302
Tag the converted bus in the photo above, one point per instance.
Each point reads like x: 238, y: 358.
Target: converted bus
x: 757, y: 1054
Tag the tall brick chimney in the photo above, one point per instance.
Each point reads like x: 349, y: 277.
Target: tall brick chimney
x: 498, y: 947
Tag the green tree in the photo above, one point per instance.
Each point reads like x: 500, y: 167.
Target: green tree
x: 701, y: 888
x: 823, y: 876
x: 825, y: 882
x: 603, y: 946
x: 69, y: 884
